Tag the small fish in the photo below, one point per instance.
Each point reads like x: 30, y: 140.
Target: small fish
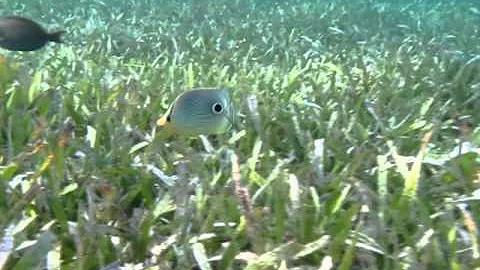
x: 21, y: 34
x: 199, y: 111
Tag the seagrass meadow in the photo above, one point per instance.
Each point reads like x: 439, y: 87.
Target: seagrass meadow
x: 355, y: 145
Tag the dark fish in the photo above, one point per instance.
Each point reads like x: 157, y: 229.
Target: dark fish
x: 21, y: 34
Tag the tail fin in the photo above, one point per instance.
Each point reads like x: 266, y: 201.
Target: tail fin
x: 55, y: 36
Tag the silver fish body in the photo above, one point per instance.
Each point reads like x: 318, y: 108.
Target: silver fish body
x: 200, y: 111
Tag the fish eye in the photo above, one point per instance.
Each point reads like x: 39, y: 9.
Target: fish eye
x: 217, y: 108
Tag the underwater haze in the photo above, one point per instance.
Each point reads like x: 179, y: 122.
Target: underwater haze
x: 355, y: 142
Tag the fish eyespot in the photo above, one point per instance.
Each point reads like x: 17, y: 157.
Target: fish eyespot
x: 217, y: 108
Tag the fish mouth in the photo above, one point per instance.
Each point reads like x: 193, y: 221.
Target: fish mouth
x: 230, y: 116
x: 230, y: 123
